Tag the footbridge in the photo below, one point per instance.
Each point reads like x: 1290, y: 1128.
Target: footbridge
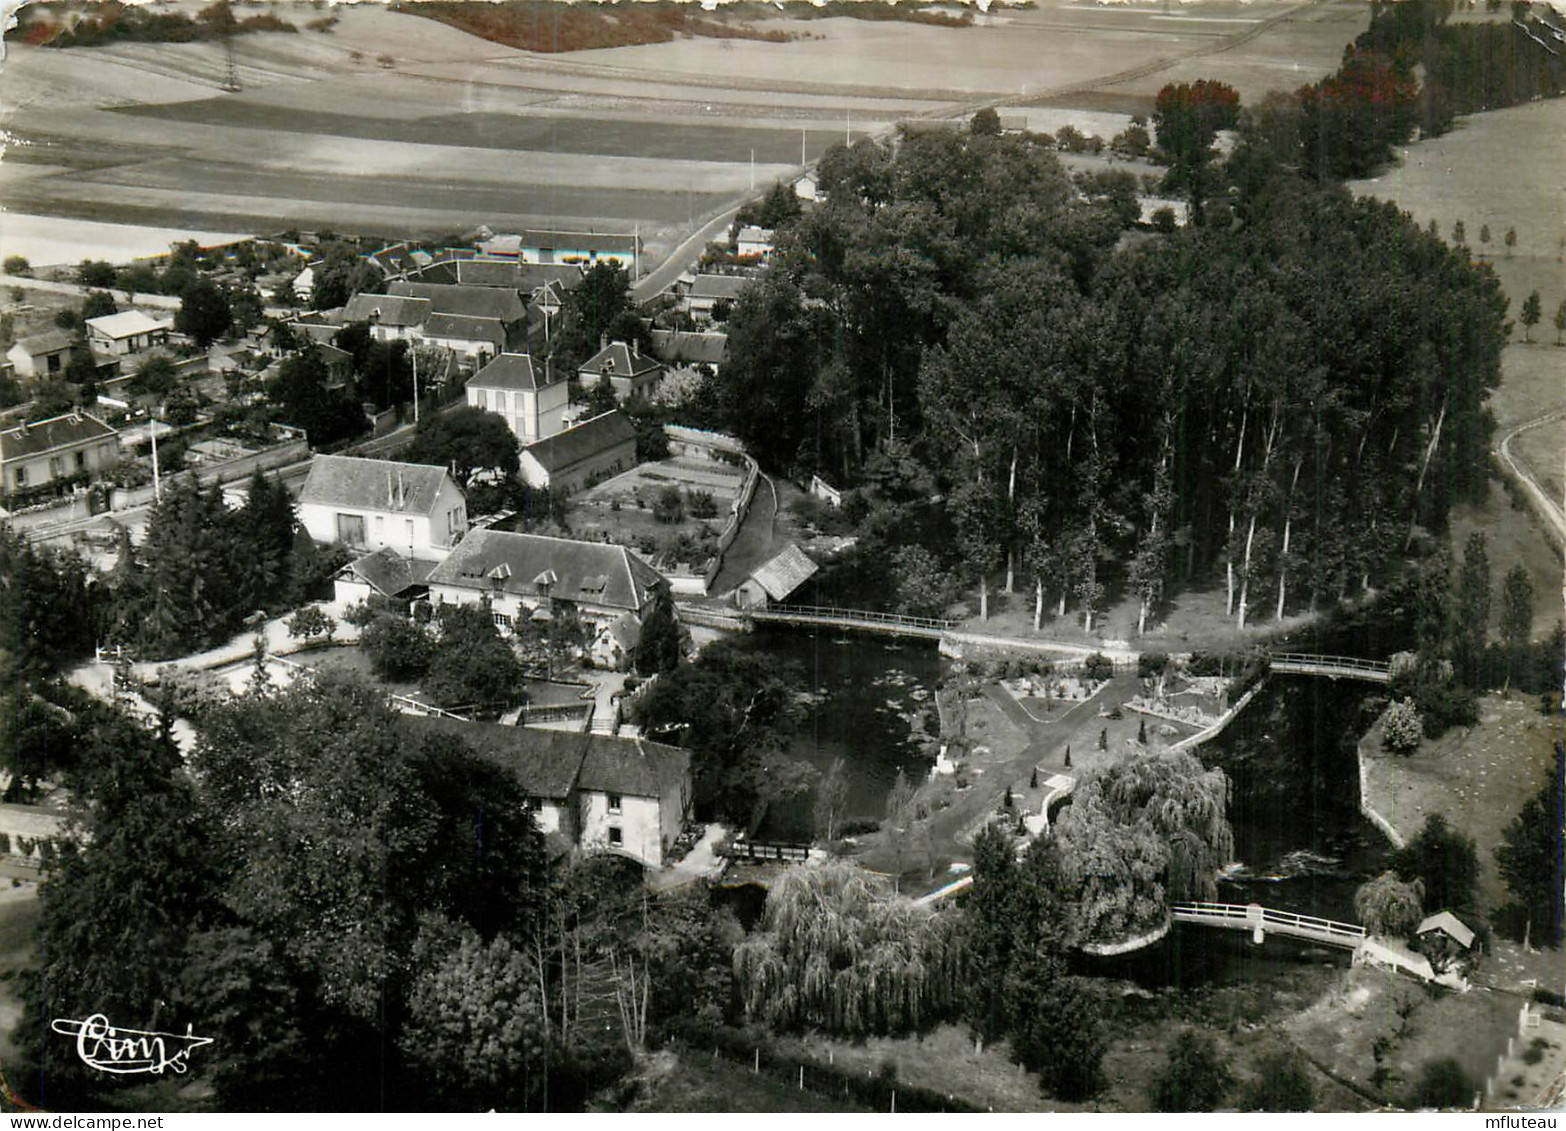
x: 1333, y: 667
x: 861, y: 620
x: 1262, y: 921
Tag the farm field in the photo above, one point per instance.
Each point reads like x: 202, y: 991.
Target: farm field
x: 391, y: 124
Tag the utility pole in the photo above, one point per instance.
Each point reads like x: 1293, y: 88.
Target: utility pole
x: 157, y: 479
x: 752, y: 170
x: 413, y: 352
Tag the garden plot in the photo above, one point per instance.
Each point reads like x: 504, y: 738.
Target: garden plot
x: 638, y: 508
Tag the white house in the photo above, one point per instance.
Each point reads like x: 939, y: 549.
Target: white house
x: 42, y: 355
x: 528, y: 575
x: 510, y: 387
x: 304, y: 285
x: 128, y: 332
x: 633, y: 375
x: 588, y: 792
x: 61, y: 447
x: 371, y: 504
x: 751, y: 240
x: 709, y: 290
x: 808, y: 187
x: 391, y: 317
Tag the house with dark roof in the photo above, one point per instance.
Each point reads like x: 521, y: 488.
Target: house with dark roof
x: 415, y: 509
x: 396, y: 259
x: 751, y: 240
x: 509, y: 386
x: 776, y: 578
x: 524, y: 576
x: 477, y: 339
x: 46, y: 451
x: 615, y: 645
x: 497, y: 303
x: 42, y: 355
x: 684, y: 349
x: 633, y: 375
x: 709, y: 290
x: 594, y: 449
x: 589, y: 792
x: 386, y: 574
x: 391, y: 317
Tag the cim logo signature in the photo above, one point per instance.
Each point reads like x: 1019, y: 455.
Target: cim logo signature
x: 126, y: 1052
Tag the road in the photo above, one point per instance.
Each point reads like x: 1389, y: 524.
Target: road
x: 159, y: 302
x: 662, y: 277
x: 1546, y: 507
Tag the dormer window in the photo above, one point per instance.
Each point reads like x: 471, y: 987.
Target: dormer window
x: 546, y: 579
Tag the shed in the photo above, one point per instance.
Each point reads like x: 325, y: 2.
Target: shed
x: 776, y: 579
x: 1448, y: 924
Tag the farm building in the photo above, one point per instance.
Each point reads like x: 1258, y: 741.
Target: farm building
x: 589, y: 792
x: 530, y: 575
x: 594, y: 449
x: 497, y: 303
x: 42, y: 355
x: 510, y: 387
x: 774, y: 580
x: 709, y: 290
x: 46, y: 451
x: 414, y: 508
x: 128, y: 332
x: 633, y: 375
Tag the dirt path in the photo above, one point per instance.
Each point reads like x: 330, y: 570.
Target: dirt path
x: 1548, y: 508
x: 756, y: 542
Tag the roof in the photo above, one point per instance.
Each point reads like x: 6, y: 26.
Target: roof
x: 718, y: 286
x: 50, y: 341
x: 389, y: 573
x: 393, y: 259
x: 596, y: 572
x: 50, y: 435
x: 753, y: 234
x: 125, y: 324
x: 388, y: 310
x: 626, y: 631
x: 687, y: 348
x: 545, y: 762
x: 625, y: 363
x: 1451, y: 924
x: 373, y: 484
x: 582, y: 441
x: 785, y: 573
x: 507, y: 371
x: 549, y: 240
x: 472, y: 302
x: 501, y: 245
x: 461, y: 328
x: 332, y: 354
x: 635, y: 766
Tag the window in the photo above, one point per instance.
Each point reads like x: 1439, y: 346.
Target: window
x: 483, y: 399
x: 21, y: 476
x: 350, y: 529
x: 408, y: 523
x: 502, y: 620
x: 614, y: 835
x: 81, y: 460
x: 56, y: 467
x: 500, y: 402
x: 54, y: 363
x: 614, y: 803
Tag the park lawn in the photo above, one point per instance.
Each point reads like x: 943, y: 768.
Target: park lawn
x: 1478, y: 779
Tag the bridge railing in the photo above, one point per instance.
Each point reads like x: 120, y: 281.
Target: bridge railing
x: 864, y: 616
x: 1247, y: 913
x: 1351, y: 663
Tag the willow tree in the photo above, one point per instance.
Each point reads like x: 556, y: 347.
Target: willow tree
x: 1388, y: 906
x: 836, y: 952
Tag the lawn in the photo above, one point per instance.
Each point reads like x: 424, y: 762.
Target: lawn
x: 684, y: 1080
x: 621, y: 509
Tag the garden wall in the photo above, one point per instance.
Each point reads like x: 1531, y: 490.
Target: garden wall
x: 291, y: 451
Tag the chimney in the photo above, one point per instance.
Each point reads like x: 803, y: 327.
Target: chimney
x: 391, y: 497
x: 603, y: 341
x: 636, y: 348
x: 402, y: 491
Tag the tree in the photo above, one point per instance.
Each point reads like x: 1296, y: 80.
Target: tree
x: 1531, y: 853
x: 668, y: 505
x: 1444, y: 861
x: 399, y: 650
x: 1404, y: 728
x: 1186, y: 120
x: 985, y: 123
x: 477, y: 1033
x: 310, y: 622
x: 469, y: 439
x: 924, y: 587
x: 204, y: 312
x: 157, y: 375
x: 472, y: 663
x: 17, y: 265
x: 1194, y: 1078
x: 97, y: 304
x: 1560, y: 321
x: 95, y: 273
x: 1484, y: 235
x: 1510, y: 240
x: 1459, y: 233
x: 1281, y: 1083
x: 1472, y: 613
x: 1388, y: 906
x: 831, y: 801
x: 1516, y: 619
x: 835, y: 952
x: 1532, y: 311
x: 659, y: 647
x: 300, y: 392
x: 1443, y: 1084
x: 601, y: 398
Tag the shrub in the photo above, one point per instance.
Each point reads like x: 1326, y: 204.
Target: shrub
x: 310, y: 622
x: 1098, y: 666
x: 702, y: 504
x: 1151, y: 664
x: 17, y: 265
x: 1444, y: 1084
x: 398, y: 648
x: 1281, y: 1084
x: 858, y: 826
x: 1404, y: 728
x: 1193, y: 1078
x: 669, y: 507
x: 1164, y: 220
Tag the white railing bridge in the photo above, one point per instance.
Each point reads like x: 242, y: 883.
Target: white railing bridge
x: 1262, y: 921
x: 1333, y: 667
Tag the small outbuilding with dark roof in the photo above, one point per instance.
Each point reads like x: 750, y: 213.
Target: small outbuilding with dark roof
x: 594, y: 449
x: 776, y: 579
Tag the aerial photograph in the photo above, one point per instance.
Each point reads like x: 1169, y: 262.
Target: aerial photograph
x: 779, y: 556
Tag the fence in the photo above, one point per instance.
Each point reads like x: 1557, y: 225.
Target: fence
x: 737, y: 513
x: 761, y: 851
x: 556, y: 713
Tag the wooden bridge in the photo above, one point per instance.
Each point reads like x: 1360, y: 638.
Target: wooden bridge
x: 1333, y: 667
x: 861, y: 620
x: 1262, y: 921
